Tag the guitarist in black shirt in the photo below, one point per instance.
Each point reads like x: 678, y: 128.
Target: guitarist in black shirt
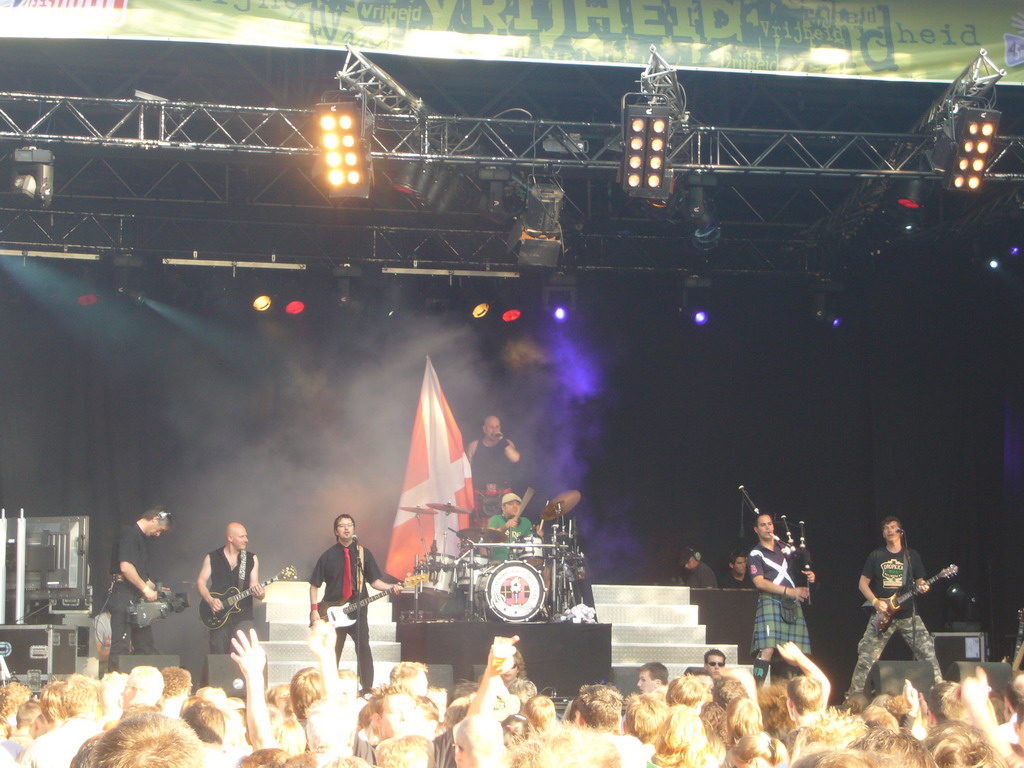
x: 346, y: 568
x: 892, y: 571
x: 232, y: 565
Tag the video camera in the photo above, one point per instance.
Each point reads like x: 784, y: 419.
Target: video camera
x: 142, y: 614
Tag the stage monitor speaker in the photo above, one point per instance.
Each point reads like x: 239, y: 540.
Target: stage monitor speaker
x: 960, y: 646
x: 441, y: 676
x: 888, y: 677
x: 220, y: 671
x: 128, y: 663
x: 999, y: 672
x: 624, y: 678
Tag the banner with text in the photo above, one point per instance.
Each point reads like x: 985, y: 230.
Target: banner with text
x: 906, y: 39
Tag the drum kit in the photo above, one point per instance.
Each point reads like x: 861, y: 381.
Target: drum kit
x: 540, y: 577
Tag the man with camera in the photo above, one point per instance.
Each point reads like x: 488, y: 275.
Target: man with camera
x: 131, y: 583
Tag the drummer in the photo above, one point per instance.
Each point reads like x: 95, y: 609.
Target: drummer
x: 512, y: 525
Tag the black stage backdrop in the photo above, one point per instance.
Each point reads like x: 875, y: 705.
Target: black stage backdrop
x: 912, y: 407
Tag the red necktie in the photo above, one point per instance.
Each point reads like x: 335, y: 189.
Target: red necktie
x: 346, y: 580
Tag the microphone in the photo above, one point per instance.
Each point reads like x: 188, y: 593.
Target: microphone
x: 741, y: 488
x: 899, y: 530
x: 354, y: 537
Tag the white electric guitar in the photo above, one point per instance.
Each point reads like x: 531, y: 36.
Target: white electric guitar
x: 341, y: 615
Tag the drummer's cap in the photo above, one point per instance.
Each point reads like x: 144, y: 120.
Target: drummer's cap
x: 510, y: 497
x: 687, y: 553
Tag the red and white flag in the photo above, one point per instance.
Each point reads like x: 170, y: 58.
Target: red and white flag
x: 438, y: 471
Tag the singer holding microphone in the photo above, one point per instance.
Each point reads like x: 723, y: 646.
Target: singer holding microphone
x: 492, y: 458
x: 891, y: 569
x: 346, y: 568
x: 779, y: 618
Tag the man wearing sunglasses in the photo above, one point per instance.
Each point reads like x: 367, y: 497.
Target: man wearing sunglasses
x: 714, y: 663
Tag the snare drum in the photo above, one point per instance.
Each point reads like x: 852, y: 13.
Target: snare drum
x: 533, y: 554
x: 440, y: 570
x: 480, y: 565
x: 515, y: 591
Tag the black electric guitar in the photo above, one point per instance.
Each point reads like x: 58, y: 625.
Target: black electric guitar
x: 342, y: 615
x: 232, y: 597
x: 882, y: 618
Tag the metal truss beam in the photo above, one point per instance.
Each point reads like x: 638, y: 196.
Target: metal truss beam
x: 225, y: 132
x: 326, y: 245
x: 360, y: 74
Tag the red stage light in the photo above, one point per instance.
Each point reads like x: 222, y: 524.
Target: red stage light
x: 906, y: 202
x: 511, y: 315
x: 87, y: 299
x: 295, y: 307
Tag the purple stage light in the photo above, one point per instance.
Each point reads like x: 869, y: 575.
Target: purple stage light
x: 1015, y: 251
x: 836, y: 322
x: 560, y: 314
x: 700, y: 317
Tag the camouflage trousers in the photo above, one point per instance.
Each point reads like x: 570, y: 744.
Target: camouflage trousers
x: 870, y: 647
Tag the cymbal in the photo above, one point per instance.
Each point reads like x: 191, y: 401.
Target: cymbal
x: 418, y: 510
x: 562, y: 504
x: 480, y: 535
x: 449, y: 508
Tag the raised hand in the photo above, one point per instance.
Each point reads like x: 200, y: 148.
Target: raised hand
x: 248, y: 654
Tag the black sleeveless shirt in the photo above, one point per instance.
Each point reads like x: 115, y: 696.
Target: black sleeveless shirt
x: 223, y: 577
x: 491, y: 465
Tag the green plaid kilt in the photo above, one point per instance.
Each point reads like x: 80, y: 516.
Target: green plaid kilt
x: 770, y: 629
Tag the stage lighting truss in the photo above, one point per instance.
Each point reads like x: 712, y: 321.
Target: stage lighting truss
x: 344, y: 160
x: 646, y: 128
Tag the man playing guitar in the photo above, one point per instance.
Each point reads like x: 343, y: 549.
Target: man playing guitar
x: 889, y: 570
x: 346, y: 568
x: 232, y: 565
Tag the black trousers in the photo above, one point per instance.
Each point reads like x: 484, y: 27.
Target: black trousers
x: 124, y: 638
x: 220, y: 639
x: 360, y: 634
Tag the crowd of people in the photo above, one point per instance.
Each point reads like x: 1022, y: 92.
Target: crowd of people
x: 152, y: 718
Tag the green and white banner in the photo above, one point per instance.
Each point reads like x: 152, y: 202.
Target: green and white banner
x: 905, y: 39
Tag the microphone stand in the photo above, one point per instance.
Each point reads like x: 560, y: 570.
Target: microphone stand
x: 358, y: 635
x: 908, y: 576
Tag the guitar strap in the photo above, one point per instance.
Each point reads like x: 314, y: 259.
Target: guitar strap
x: 243, y: 562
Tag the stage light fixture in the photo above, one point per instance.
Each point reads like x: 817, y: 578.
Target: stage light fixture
x: 32, y: 174
x: 645, y: 133
x: 511, y: 315
x: 344, y: 160
x: 88, y: 300
x: 701, y: 210
x: 993, y: 264
x: 536, y: 236
x: 481, y: 310
x: 964, y: 148
x: 295, y: 307
x: 262, y: 302
x: 560, y: 314
x: 695, y: 300
x: 826, y: 302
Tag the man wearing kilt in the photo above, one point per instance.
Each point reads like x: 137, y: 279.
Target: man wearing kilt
x: 779, y: 618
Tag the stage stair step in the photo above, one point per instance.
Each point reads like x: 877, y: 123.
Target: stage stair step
x: 635, y: 594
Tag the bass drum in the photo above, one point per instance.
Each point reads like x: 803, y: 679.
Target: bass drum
x: 515, y: 591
